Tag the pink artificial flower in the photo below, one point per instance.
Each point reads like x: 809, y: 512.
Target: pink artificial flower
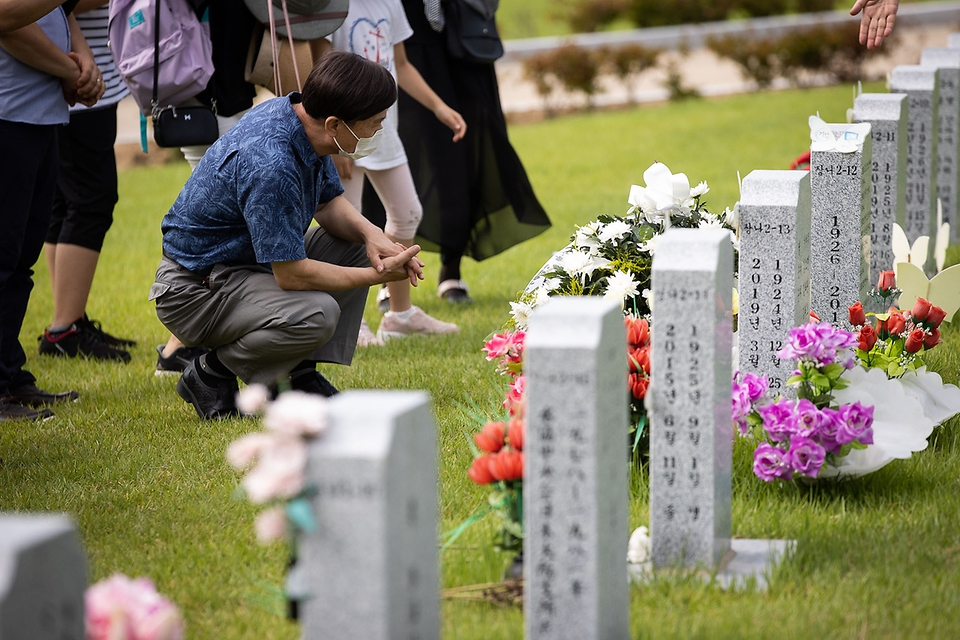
x: 271, y: 524
x: 253, y: 399
x: 245, y: 450
x: 279, y: 471
x: 497, y: 346
x: 123, y: 609
x: 297, y: 413
x: 513, y: 401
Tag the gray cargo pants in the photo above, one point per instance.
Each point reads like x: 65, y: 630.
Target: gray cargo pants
x: 259, y: 330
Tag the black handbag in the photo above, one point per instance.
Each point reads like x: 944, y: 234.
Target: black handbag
x: 179, y: 126
x: 471, y: 37
x: 185, y: 126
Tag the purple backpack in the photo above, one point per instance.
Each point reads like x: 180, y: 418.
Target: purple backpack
x: 186, y: 64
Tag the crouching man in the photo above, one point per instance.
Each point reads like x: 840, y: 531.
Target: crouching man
x: 243, y: 272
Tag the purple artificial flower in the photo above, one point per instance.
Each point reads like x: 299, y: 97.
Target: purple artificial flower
x: 807, y: 419
x: 779, y: 419
x: 741, y: 406
x: 834, y: 338
x: 755, y: 385
x: 802, y: 342
x: 805, y: 456
x: 830, y: 422
x: 857, y: 424
x: 769, y: 463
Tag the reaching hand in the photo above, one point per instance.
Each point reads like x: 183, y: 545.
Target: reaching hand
x: 877, y: 20
x: 452, y: 119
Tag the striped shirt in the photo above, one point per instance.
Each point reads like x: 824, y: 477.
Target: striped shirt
x: 94, y: 26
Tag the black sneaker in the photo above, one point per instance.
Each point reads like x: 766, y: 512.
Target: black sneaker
x: 210, y: 402
x: 93, y: 326
x: 12, y: 411
x: 29, y: 395
x: 78, y: 341
x: 313, y: 382
x: 177, y: 361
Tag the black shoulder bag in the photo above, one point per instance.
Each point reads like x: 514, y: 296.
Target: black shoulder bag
x: 179, y: 126
x: 471, y: 37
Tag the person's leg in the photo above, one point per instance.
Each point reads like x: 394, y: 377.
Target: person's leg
x: 28, y: 169
x: 83, y: 213
x: 399, y: 197
x: 257, y: 330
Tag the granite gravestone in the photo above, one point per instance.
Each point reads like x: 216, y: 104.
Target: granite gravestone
x: 887, y: 114
x: 774, y: 268
x: 43, y: 576
x: 953, y: 41
x: 689, y: 399
x: 947, y: 62
x: 922, y: 88
x: 576, y: 471
x: 840, y: 221
x: 370, y: 568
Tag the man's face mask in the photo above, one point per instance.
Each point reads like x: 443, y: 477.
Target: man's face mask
x: 365, y: 146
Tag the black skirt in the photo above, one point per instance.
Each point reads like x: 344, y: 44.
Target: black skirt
x: 477, y: 199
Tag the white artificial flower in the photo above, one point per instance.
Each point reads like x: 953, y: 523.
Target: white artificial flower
x: 297, y: 413
x: 614, y: 231
x: 279, y: 470
x: 253, y: 399
x: 650, y: 246
x: 638, y: 549
x: 663, y: 190
x: 731, y: 217
x: 551, y: 284
x: 620, y: 286
x: 648, y: 296
x: 541, y: 296
x: 699, y: 190
x: 520, y: 311
x: 713, y: 224
x: 586, y: 237
x: 582, y: 265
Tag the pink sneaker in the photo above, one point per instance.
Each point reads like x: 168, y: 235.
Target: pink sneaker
x: 394, y: 326
x: 366, y: 337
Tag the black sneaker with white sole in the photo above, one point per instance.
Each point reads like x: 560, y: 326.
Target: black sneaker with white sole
x: 80, y: 340
x: 92, y: 325
x: 176, y: 362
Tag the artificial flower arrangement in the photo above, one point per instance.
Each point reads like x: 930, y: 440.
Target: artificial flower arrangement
x: 612, y: 257
x: 275, y: 461
x: 798, y: 438
x: 498, y: 450
x: 121, y: 608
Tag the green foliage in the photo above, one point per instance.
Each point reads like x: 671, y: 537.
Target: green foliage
x: 151, y: 492
x: 587, y: 16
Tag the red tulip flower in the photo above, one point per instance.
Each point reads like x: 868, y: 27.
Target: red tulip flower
x: 932, y: 339
x: 857, y: 317
x: 935, y: 317
x: 490, y: 437
x: 638, y: 331
x: 888, y: 280
x: 639, y: 360
x: 867, y: 338
x: 515, y: 431
x: 507, y: 465
x: 914, y: 341
x: 920, y: 309
x: 638, y: 385
x: 896, y: 323
x: 479, y: 471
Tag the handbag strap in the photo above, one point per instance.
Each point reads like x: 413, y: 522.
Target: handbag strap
x: 277, y: 84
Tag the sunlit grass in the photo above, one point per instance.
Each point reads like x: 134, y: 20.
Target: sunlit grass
x: 149, y: 488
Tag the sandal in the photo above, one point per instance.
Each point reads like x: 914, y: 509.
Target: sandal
x: 454, y: 292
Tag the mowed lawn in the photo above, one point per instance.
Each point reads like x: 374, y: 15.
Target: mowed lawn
x: 148, y: 485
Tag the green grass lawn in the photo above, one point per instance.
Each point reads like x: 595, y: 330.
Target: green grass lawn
x: 149, y: 487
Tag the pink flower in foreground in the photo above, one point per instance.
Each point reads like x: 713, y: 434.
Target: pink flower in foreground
x: 279, y: 471
x: 253, y: 399
x: 297, y: 413
x: 271, y: 524
x: 245, y: 450
x: 514, y: 397
x: 497, y: 346
x: 119, y: 608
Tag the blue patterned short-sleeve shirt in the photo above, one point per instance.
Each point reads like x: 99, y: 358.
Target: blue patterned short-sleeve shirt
x: 253, y: 195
